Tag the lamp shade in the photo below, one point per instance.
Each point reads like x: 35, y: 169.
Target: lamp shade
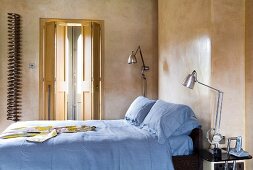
x: 190, y: 80
x: 132, y: 58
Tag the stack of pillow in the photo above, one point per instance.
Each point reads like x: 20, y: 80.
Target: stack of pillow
x: 163, y: 119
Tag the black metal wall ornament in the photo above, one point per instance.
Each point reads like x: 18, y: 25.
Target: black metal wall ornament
x: 14, y: 68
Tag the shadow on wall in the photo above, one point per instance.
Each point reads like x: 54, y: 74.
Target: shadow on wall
x: 165, y: 66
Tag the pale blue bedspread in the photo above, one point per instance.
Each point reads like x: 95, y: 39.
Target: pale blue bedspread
x: 115, y: 145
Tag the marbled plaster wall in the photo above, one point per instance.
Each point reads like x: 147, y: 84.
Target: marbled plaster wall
x: 127, y: 24
x: 184, y: 45
x: 207, y: 36
x: 249, y: 77
x: 228, y: 62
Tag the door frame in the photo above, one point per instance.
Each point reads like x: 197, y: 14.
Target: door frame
x: 41, y: 60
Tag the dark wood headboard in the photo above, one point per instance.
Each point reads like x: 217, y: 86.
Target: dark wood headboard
x: 197, y: 138
x: 194, y: 161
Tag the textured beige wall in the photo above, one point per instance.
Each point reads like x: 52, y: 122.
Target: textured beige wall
x: 249, y: 77
x: 127, y: 24
x: 184, y: 46
x: 207, y: 36
x: 228, y: 58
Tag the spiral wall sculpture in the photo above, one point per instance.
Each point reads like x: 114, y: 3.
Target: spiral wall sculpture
x: 14, y: 68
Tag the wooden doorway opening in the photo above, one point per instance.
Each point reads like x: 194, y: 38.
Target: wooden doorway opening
x: 70, y: 69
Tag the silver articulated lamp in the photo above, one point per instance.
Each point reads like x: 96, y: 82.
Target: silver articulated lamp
x: 132, y: 60
x: 213, y: 135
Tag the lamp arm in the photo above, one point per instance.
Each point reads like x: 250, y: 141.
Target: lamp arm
x: 219, y: 106
x: 144, y: 84
x: 139, y: 49
x: 218, y: 112
x: 144, y: 67
x: 217, y: 136
x: 209, y: 86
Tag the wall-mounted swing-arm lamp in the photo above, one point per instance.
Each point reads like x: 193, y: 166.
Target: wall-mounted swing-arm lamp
x: 189, y: 82
x: 132, y: 60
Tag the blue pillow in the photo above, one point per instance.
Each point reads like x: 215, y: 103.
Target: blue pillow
x: 138, y: 110
x: 180, y: 145
x: 187, y: 127
x: 164, y: 119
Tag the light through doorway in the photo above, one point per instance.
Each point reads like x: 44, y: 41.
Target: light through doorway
x: 70, y: 69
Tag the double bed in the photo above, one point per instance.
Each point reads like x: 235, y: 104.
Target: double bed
x: 163, y: 142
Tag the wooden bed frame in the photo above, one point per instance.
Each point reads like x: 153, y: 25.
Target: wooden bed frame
x: 194, y: 161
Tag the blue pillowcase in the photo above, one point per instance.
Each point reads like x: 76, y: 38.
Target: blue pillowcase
x: 168, y: 119
x: 138, y: 110
x: 180, y: 145
x: 187, y: 127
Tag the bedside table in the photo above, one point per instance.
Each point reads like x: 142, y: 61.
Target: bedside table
x: 210, y: 163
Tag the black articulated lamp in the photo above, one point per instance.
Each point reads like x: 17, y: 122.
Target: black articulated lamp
x: 132, y: 60
x: 213, y: 135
